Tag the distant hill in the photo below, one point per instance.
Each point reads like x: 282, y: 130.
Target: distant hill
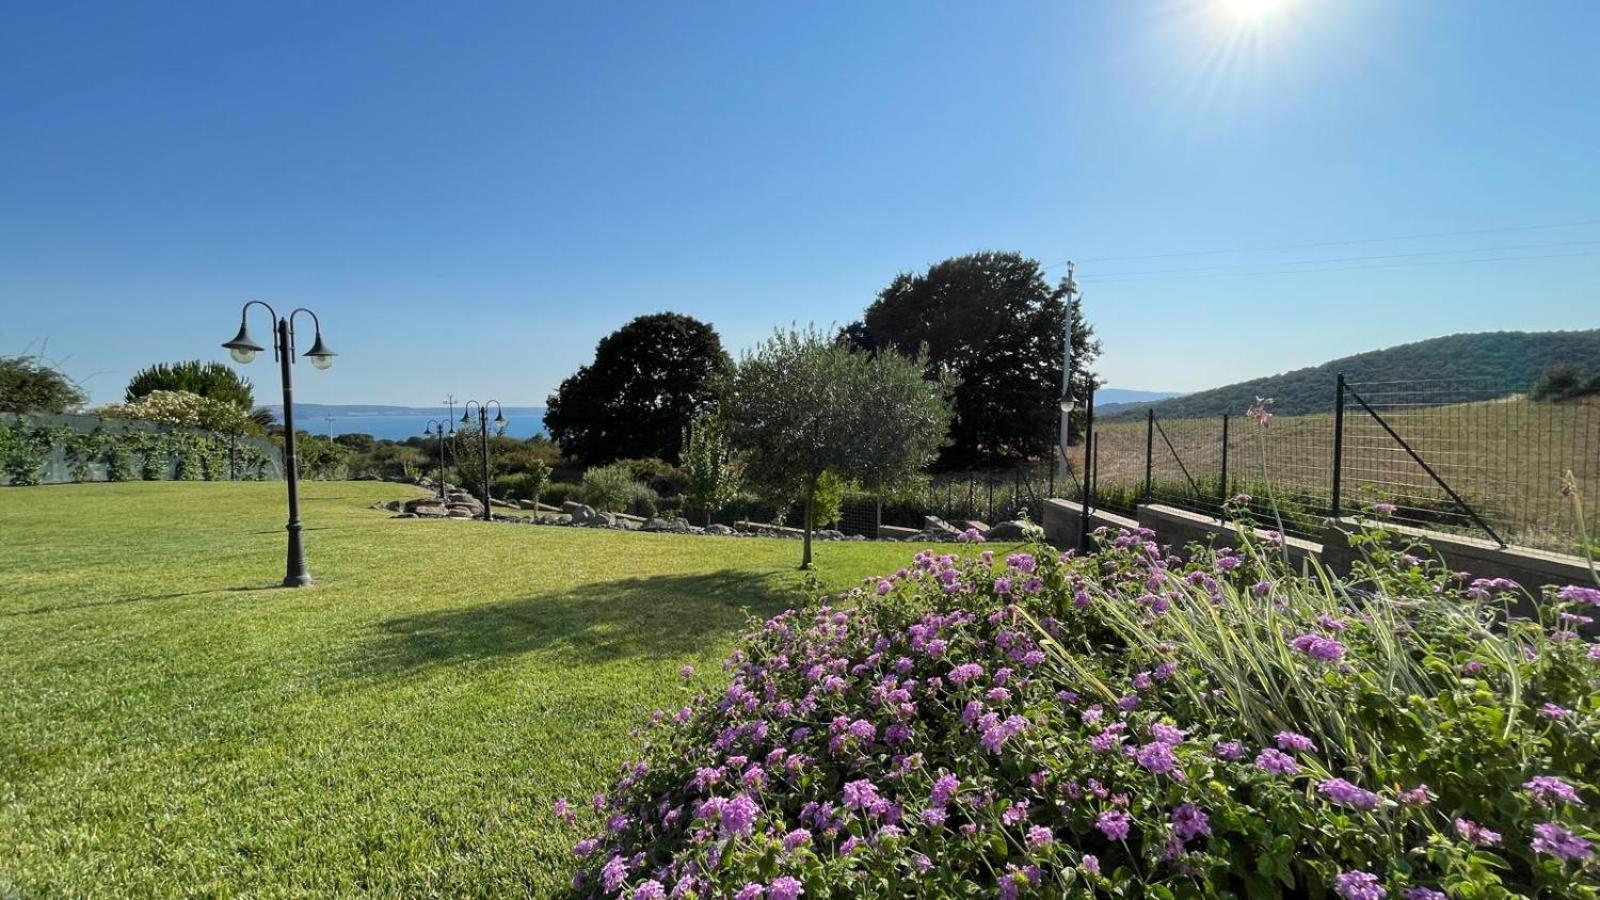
x: 1109, y: 396
x: 1510, y: 360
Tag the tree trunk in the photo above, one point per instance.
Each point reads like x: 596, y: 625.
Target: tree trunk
x: 811, y: 499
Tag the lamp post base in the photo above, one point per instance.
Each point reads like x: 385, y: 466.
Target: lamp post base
x: 297, y: 573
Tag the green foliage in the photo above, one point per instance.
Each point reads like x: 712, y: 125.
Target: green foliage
x: 660, y: 476
x: 711, y: 476
x: 828, y: 499
x: 1565, y: 381
x: 212, y: 380
x: 185, y: 410
x: 649, y: 378
x: 528, y: 485
x: 1512, y: 360
x: 558, y: 492
x: 1132, y: 723
x: 29, y: 384
x: 24, y: 450
x: 609, y: 488
x: 319, y: 458
x: 992, y: 320
x: 802, y: 404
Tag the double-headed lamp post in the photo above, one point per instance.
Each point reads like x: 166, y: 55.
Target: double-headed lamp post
x: 483, y: 435
x: 436, y: 428
x: 244, y: 349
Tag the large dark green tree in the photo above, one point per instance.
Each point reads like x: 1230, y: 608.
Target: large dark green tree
x: 649, y: 379
x: 995, y: 322
x: 208, y: 379
x: 29, y: 384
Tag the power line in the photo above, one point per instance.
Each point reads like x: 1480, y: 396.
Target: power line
x: 1426, y: 262
x: 1342, y: 243
x: 1115, y: 276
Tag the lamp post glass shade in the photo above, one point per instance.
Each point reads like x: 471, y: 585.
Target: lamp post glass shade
x: 242, y: 348
x: 319, y: 354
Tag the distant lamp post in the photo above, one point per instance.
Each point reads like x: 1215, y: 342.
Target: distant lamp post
x: 244, y: 349
x: 436, y: 428
x: 483, y: 435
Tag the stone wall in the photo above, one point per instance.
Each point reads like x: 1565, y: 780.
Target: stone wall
x: 1178, y: 528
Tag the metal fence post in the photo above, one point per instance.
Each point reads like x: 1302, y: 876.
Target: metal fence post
x: 1223, y: 490
x: 1338, y: 439
x: 1149, y: 453
x: 1088, y: 462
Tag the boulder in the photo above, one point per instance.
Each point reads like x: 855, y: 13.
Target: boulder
x: 936, y: 524
x: 577, y: 510
x: 720, y: 530
x: 896, y: 533
x: 404, y: 516
x: 974, y: 524
x: 458, y: 512
x: 527, y: 504
x: 674, y: 524
x: 1014, y: 530
x: 411, y: 505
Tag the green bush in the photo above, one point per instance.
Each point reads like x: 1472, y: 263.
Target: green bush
x: 608, y: 488
x: 644, y: 502
x: 559, y: 492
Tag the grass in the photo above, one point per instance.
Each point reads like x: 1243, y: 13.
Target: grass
x: 173, y: 724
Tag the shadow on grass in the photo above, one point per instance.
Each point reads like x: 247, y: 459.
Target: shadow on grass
x: 661, y: 616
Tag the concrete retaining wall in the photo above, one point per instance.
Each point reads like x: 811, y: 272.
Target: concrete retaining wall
x: 1178, y: 528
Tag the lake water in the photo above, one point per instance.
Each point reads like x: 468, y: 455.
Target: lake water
x: 522, y: 424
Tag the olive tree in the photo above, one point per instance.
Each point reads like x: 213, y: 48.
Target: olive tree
x: 801, y: 404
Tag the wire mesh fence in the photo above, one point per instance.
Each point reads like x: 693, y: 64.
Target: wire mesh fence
x: 1464, y: 456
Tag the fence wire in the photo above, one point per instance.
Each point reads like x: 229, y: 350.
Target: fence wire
x: 1502, y: 453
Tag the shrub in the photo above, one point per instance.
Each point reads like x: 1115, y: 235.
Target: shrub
x: 644, y: 502
x: 1134, y: 724
x: 559, y: 492
x: 608, y: 488
x: 184, y: 409
x: 526, y: 485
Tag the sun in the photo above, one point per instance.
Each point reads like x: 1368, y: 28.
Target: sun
x: 1251, y: 11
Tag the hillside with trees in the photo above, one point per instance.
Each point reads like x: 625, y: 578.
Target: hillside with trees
x: 1506, y: 363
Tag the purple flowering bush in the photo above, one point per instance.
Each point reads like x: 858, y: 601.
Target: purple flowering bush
x: 1132, y: 723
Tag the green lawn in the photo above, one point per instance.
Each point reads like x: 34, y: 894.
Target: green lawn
x: 173, y: 724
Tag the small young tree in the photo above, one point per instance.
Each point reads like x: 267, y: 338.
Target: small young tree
x: 708, y: 465
x: 802, y: 403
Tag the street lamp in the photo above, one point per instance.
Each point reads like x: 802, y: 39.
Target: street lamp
x: 244, y: 349
x: 437, y: 429
x: 483, y: 435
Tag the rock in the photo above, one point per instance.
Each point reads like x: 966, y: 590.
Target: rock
x: 527, y: 504
x: 577, y: 510
x: 404, y: 516
x: 895, y: 533
x: 457, y: 512
x: 720, y: 530
x: 829, y: 534
x: 506, y: 504
x: 974, y: 524
x: 936, y: 524
x: 461, y: 509
x: 411, y: 505
x: 673, y: 524
x: 1014, y: 530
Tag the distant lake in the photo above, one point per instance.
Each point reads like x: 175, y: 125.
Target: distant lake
x: 523, y: 423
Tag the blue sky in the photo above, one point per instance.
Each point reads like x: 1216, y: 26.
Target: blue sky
x: 470, y: 195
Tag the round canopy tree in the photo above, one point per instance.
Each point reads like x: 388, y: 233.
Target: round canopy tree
x: 206, y: 379
x: 802, y: 404
x: 649, y: 379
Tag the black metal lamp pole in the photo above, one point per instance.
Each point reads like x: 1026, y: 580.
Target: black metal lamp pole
x: 244, y: 349
x: 483, y: 434
x: 438, y: 429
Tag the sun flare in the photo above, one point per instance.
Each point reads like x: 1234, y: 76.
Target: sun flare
x: 1251, y: 11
